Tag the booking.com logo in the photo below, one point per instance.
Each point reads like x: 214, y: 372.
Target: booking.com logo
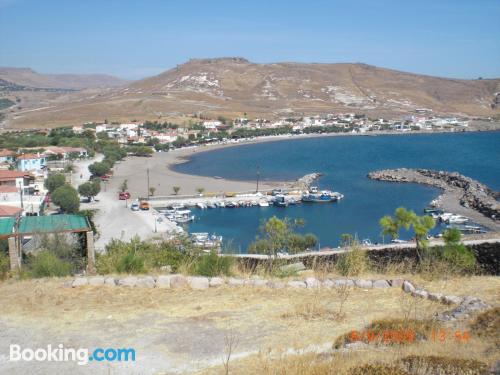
x: 61, y: 354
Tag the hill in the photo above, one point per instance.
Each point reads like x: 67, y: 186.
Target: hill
x: 29, y: 78
x: 234, y: 86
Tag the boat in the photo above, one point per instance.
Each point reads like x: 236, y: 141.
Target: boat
x: 201, y: 205
x: 211, y: 205
x: 220, y: 204
x: 432, y: 210
x: 183, y: 216
x: 280, y: 201
x: 206, y: 241
x: 457, y: 219
x: 177, y: 206
x: 263, y: 203
x: 231, y: 205
x: 322, y: 196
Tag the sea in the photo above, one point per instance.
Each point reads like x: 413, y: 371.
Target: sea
x: 344, y: 162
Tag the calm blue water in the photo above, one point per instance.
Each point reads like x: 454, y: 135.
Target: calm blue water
x: 345, y: 162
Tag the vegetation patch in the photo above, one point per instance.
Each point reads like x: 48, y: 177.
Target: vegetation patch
x: 390, y: 332
x: 430, y: 365
x: 487, y: 325
x: 376, y: 369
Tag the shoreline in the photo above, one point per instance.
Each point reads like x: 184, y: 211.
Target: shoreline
x: 183, y: 155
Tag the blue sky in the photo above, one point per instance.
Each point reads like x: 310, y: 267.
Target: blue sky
x: 134, y: 39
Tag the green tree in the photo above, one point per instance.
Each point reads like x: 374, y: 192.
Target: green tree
x: 99, y: 168
x: 89, y: 189
x: 66, y: 198
x: 407, y: 219
x: 176, y: 189
x: 152, y: 190
x: 456, y: 253
x: 200, y: 190
x: 54, y: 181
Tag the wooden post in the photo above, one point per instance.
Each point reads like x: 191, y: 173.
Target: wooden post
x: 90, y: 252
x: 15, y: 259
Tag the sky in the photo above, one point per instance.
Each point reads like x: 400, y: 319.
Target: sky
x: 133, y: 39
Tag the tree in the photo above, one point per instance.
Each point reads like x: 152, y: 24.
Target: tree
x: 89, y: 189
x: 99, y: 168
x: 176, y: 189
x: 66, y: 197
x: 407, y: 219
x: 152, y: 190
x: 200, y: 190
x: 54, y: 181
x: 278, y: 235
x: 456, y: 253
x: 124, y: 186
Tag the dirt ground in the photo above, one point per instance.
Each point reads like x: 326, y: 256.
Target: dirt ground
x: 184, y: 331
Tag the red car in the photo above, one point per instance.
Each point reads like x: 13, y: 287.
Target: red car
x: 105, y: 177
x: 124, y: 195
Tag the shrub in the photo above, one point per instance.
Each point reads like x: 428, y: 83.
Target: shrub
x: 47, y: 264
x: 213, y: 265
x: 376, y: 369
x: 54, y: 181
x: 66, y: 197
x: 390, y: 332
x: 430, y: 365
x: 487, y: 325
x: 353, y: 262
x: 4, y: 264
x: 130, y: 263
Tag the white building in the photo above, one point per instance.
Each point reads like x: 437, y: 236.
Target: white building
x: 212, y: 125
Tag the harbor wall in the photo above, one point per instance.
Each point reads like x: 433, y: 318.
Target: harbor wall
x: 487, y: 256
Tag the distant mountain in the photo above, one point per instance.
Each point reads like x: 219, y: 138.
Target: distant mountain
x: 28, y: 78
x: 234, y: 86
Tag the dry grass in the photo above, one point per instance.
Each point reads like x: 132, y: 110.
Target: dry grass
x: 271, y: 321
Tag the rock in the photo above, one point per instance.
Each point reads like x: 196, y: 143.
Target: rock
x: 110, y: 281
x: 343, y: 282
x: 450, y: 300
x: 166, y: 268
x: 396, y: 283
x: 420, y: 293
x: 130, y: 281
x: 294, y: 267
x: 436, y: 297
x: 408, y: 287
x: 275, y: 284
x: 216, y: 281
x: 327, y: 284
x: 96, y: 280
x: 146, y: 282
x: 381, y: 284
x: 198, y: 283
x: 235, y: 282
x: 297, y: 284
x: 312, y: 282
x: 178, y: 281
x: 80, y: 281
x: 259, y: 283
x: 163, y: 281
x: 365, y: 284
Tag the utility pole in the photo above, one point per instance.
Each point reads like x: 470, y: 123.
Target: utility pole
x: 21, y: 193
x: 147, y: 193
x: 258, y: 176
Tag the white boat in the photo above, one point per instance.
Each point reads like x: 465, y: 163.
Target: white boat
x: 206, y: 241
x: 457, y: 219
x: 183, y: 216
x: 177, y: 206
x: 201, y: 205
x: 220, y: 204
x: 211, y: 205
x: 263, y: 203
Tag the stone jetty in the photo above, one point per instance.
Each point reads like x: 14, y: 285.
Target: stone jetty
x: 466, y: 192
x: 305, y: 182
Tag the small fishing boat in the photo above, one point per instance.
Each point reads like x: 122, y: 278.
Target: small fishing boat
x: 231, y: 205
x: 263, y: 203
x: 220, y: 204
x: 206, y: 241
x: 211, y: 205
x: 321, y: 197
x: 201, y: 205
x: 183, y: 216
x: 280, y: 201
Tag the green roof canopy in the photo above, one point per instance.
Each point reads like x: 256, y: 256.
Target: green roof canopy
x: 6, y: 225
x: 44, y: 224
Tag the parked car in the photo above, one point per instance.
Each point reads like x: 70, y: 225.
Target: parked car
x: 144, y: 206
x: 134, y: 206
x: 105, y: 177
x: 123, y: 195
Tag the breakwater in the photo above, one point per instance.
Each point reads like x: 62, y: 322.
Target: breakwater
x: 459, y: 190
